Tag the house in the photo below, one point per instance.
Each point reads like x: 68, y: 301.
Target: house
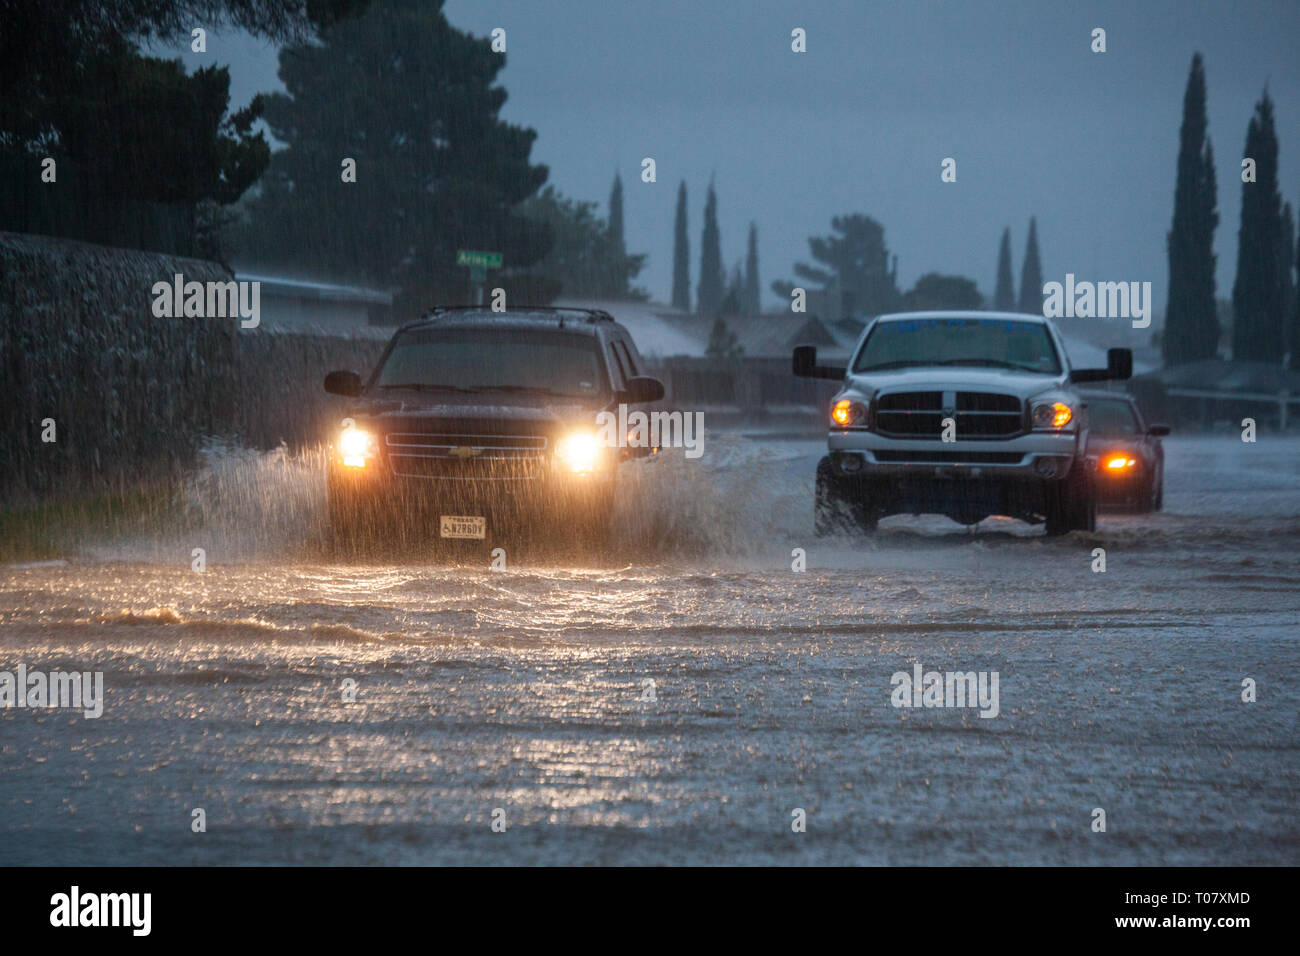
x: 759, y: 386
x: 302, y: 305
x: 1217, y: 390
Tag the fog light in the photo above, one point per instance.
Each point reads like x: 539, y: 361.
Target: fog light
x: 851, y: 464
x: 1046, y: 467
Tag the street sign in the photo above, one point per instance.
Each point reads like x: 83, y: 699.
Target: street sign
x: 478, y: 260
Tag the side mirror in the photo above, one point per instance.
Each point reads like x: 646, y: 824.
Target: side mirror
x: 1119, y: 364
x: 1119, y: 367
x: 642, y: 388
x: 1158, y: 431
x: 347, y: 384
x: 804, y: 365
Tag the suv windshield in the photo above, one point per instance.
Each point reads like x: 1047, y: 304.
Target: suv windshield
x: 503, y: 358
x: 1109, y: 416
x: 988, y: 343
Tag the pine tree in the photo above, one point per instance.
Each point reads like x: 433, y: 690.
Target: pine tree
x: 583, y: 260
x: 752, y: 302
x: 681, y: 255
x: 850, y: 274
x: 1004, y: 299
x: 414, y: 102
x: 724, y: 346
x: 1031, y: 274
x: 1258, y: 329
x: 711, y: 288
x: 1191, y: 330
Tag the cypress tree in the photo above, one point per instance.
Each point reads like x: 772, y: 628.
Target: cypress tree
x: 1031, y: 274
x: 1258, y: 329
x: 617, y: 277
x: 711, y: 288
x: 1004, y: 299
x: 752, y: 303
x: 1191, y: 330
x: 1285, y: 256
x: 616, y: 216
x: 1295, y: 319
x: 681, y: 255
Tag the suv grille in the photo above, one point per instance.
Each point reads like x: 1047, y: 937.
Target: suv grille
x: 921, y: 414
x: 453, y: 457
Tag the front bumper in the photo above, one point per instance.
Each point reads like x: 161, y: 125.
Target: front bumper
x: 1035, y: 456
x: 550, y: 496
x: 1124, y: 489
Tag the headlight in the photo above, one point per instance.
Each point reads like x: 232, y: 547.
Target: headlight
x: 846, y: 412
x: 356, y: 445
x: 1119, y: 463
x: 579, y: 451
x: 1052, y: 415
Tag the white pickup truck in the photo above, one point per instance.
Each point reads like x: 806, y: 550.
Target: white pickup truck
x: 964, y: 414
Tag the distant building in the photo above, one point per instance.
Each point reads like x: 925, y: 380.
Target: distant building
x: 301, y: 305
x: 1218, y: 390
x: 760, y: 386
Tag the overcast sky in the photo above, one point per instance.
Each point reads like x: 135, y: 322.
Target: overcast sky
x: 1038, y: 124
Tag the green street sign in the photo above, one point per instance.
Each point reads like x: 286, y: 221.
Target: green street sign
x: 478, y: 260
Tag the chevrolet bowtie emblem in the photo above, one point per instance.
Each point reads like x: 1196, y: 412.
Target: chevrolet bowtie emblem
x: 463, y: 451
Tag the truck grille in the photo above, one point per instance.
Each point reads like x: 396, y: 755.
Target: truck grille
x: 921, y: 414
x: 452, y: 457
x: 951, y: 457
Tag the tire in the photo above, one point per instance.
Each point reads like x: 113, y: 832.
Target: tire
x: 345, y: 525
x: 355, y: 522
x: 586, y: 523
x: 837, y: 507
x: 591, y: 531
x: 1146, y: 499
x: 1072, y: 503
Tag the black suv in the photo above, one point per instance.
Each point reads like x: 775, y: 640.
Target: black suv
x: 478, y: 424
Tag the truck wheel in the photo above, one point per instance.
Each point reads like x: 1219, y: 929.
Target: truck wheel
x: 833, y: 510
x: 1072, y: 503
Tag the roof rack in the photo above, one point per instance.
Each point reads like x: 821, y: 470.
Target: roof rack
x: 590, y: 315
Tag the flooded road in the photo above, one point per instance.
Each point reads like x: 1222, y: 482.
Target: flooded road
x: 680, y: 699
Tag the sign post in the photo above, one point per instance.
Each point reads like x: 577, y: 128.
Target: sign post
x: 479, y: 263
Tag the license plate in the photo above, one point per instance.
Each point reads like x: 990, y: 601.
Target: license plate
x: 463, y: 526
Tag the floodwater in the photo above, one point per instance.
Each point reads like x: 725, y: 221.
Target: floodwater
x: 679, y: 699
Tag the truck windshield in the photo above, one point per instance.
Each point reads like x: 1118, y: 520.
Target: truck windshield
x: 989, y: 343
x: 502, y: 359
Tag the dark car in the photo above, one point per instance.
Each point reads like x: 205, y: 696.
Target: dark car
x: 478, y: 425
x: 1130, y: 457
